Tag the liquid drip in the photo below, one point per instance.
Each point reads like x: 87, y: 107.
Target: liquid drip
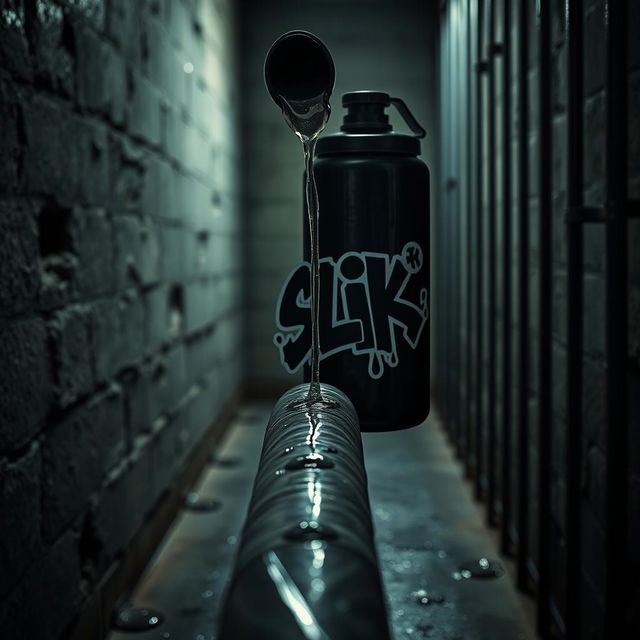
x: 310, y: 530
x: 311, y: 461
x: 307, y: 119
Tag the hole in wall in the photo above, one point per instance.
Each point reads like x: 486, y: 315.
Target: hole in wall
x: 57, y: 253
x: 90, y: 548
x: 54, y: 231
x: 202, y: 247
x: 176, y: 310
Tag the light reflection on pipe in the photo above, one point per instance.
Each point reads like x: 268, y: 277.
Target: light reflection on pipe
x: 292, y: 598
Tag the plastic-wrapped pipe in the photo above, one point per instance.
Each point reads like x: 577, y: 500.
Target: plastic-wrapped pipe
x: 306, y: 567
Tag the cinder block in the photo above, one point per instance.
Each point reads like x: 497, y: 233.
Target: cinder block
x: 176, y: 255
x: 137, y: 253
x: 116, y: 80
x: 143, y: 112
x: 10, y: 150
x: 26, y: 367
x: 204, y: 407
x: 106, y: 339
x: 20, y: 506
x: 92, y: 54
x: 50, y: 161
x: 168, y: 382
x: 19, y: 276
x: 127, y: 170
x: 77, y: 453
x: 122, y: 24
x: 201, y: 304
x: 15, y: 53
x: 156, y: 318
x: 48, y: 596
x: 158, y: 198
x: 92, y: 236
x: 118, y: 333
x: 201, y: 355
x: 71, y: 348
x: 125, y: 501
x: 53, y: 60
x: 176, y: 376
x: 137, y: 389
x: 93, y: 158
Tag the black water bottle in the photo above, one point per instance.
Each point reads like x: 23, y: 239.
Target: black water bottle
x: 373, y: 191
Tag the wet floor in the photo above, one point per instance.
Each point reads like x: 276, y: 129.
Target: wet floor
x: 427, y: 528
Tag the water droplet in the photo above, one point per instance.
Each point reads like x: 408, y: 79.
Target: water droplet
x: 130, y: 619
x: 195, y: 502
x: 482, y: 568
x: 290, y: 449
x: 232, y: 540
x: 207, y: 594
x: 425, y: 597
x: 330, y: 449
x: 310, y: 530
x: 442, y: 554
x: 281, y: 472
x: 310, y: 461
x: 187, y: 67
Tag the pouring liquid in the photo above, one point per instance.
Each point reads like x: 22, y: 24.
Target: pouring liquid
x: 307, y: 119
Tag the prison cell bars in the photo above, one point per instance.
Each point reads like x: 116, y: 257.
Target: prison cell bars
x: 575, y: 106
x: 523, y: 298
x: 613, y: 215
x: 490, y: 53
x: 544, y: 322
x: 616, y: 321
x: 506, y: 280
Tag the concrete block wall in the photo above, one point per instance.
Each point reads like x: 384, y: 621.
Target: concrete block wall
x: 375, y: 45
x: 121, y: 278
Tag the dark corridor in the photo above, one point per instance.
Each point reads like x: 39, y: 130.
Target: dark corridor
x: 150, y: 211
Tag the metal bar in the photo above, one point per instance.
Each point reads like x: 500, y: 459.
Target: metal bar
x: 309, y: 509
x: 470, y: 244
x: 491, y: 285
x: 506, y: 280
x: 544, y: 293
x: 523, y: 295
x: 449, y: 291
x: 617, y: 575
x: 455, y: 231
x: 479, y: 470
x: 575, y: 106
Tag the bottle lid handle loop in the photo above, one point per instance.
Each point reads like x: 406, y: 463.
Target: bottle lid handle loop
x: 412, y: 123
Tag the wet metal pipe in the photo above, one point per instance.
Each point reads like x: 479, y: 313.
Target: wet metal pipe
x: 306, y: 567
